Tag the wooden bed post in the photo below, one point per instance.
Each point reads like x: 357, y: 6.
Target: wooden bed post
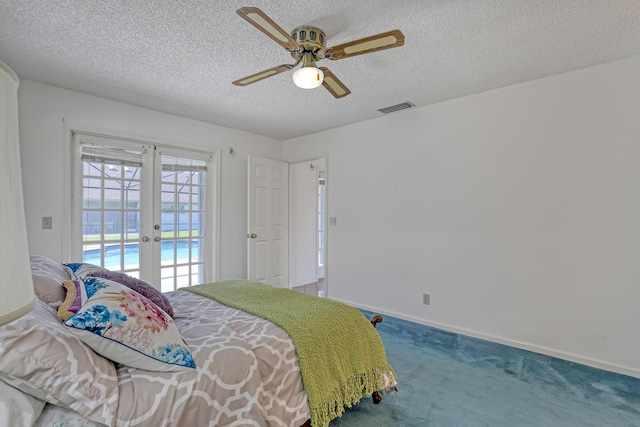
x: 376, y: 396
x: 376, y: 319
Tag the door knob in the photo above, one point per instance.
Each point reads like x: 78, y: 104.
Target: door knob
x: 156, y: 239
x: 252, y: 235
x: 156, y: 227
x: 145, y: 239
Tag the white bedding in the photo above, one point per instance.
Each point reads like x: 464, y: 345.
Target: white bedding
x: 57, y: 416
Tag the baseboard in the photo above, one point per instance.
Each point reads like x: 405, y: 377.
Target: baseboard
x: 594, y: 363
x: 304, y: 282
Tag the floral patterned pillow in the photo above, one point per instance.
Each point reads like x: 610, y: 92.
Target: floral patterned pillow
x: 124, y: 326
x: 137, y: 285
x: 80, y: 270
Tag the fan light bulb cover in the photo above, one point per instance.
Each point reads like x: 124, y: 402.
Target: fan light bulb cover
x: 308, y: 77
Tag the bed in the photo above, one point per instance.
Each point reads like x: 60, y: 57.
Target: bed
x: 182, y: 358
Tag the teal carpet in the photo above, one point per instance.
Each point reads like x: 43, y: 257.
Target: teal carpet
x: 445, y: 379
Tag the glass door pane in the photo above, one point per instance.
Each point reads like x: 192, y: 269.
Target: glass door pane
x: 182, y: 221
x: 111, y: 216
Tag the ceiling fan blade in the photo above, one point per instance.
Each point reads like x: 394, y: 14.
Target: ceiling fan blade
x: 261, y: 21
x: 262, y: 75
x: 370, y: 44
x: 333, y: 85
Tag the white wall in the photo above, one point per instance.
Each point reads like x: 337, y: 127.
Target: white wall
x: 517, y: 209
x: 43, y: 150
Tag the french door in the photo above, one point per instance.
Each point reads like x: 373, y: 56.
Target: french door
x: 143, y: 209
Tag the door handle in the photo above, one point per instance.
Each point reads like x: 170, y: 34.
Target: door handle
x: 145, y: 239
x: 252, y: 235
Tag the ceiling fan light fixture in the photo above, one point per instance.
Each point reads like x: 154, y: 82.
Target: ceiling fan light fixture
x: 307, y: 44
x: 308, y: 77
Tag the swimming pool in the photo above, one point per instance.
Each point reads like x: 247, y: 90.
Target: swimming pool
x: 132, y: 253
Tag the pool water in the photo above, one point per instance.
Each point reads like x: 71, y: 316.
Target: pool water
x: 132, y: 253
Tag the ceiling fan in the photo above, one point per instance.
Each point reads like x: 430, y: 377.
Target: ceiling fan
x: 307, y: 45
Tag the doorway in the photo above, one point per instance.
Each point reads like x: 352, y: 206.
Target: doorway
x: 143, y: 209
x: 307, y: 226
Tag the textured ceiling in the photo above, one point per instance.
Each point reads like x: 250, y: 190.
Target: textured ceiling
x: 180, y: 57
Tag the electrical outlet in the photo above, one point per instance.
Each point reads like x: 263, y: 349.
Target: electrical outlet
x: 426, y: 299
x: 47, y: 223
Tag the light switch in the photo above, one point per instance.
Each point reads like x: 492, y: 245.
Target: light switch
x: 47, y: 223
x: 332, y: 220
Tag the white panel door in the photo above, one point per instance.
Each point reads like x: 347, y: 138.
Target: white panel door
x: 267, y: 234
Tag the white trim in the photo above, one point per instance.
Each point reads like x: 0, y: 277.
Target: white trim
x: 327, y: 232
x: 92, y: 152
x: 215, y: 209
x: 307, y: 157
x: 69, y: 127
x: 67, y: 200
x: 594, y: 363
x: 195, y: 154
x: 4, y: 67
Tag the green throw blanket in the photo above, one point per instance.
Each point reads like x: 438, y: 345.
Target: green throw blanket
x: 340, y: 353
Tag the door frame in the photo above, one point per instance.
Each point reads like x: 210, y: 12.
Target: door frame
x: 309, y: 158
x: 71, y: 126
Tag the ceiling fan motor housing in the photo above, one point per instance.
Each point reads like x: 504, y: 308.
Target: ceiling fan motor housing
x: 312, y: 40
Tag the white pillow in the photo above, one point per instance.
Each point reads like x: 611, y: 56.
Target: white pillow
x: 18, y: 409
x: 48, y: 276
x: 39, y: 356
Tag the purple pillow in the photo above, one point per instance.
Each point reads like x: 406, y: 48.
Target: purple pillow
x: 137, y: 285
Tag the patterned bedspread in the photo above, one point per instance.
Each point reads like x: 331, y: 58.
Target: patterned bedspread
x: 247, y: 374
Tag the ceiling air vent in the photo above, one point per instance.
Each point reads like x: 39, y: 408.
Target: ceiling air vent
x: 397, y: 107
